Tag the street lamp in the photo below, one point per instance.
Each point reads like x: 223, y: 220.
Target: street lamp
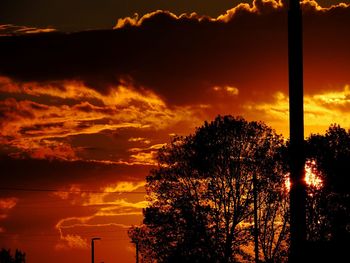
x: 136, y: 242
x: 93, y: 248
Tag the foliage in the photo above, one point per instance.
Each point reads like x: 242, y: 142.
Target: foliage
x: 273, y: 219
x: 330, y: 216
x: 7, y: 257
x: 209, y: 185
x: 201, y: 195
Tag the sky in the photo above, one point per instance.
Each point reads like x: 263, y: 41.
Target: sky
x: 90, y: 90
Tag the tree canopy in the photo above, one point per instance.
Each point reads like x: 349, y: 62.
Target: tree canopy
x: 202, y: 199
x: 221, y: 194
x: 7, y: 257
x: 328, y: 208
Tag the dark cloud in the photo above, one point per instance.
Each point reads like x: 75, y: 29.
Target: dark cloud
x: 31, y: 173
x: 181, y: 59
x: 77, y: 15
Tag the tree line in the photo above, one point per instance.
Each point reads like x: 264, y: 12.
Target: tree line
x: 6, y: 256
x: 222, y: 195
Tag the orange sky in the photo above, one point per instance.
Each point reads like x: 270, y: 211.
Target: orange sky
x: 86, y: 112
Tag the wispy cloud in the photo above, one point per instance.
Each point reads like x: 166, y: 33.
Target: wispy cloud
x: 107, y: 206
x: 320, y: 109
x: 40, y: 130
x: 11, y: 30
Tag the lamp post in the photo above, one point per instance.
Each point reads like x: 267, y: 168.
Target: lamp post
x: 136, y: 242
x: 296, y: 126
x: 93, y: 248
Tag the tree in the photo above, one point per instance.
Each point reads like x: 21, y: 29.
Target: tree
x: 201, y: 195
x: 7, y: 257
x: 273, y: 217
x: 329, y: 213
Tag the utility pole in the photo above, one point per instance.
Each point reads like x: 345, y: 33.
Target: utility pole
x: 93, y: 248
x: 256, y: 228
x: 296, y: 124
x: 137, y: 251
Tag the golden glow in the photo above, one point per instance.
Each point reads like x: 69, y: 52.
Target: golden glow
x: 312, y: 176
x: 8, y: 203
x: 287, y: 182
x: 227, y: 90
x: 321, y: 109
x: 312, y: 4
x: 139, y: 139
x: 9, y: 30
x: 38, y: 129
x: 255, y: 7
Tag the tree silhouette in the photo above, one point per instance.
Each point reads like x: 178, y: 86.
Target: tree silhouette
x: 328, y: 209
x: 273, y: 219
x: 202, y: 199
x: 7, y: 257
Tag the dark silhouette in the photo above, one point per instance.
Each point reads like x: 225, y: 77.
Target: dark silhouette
x: 296, y: 119
x: 202, y: 199
x: 93, y: 248
x: 224, y: 189
x: 7, y: 257
x: 328, y: 209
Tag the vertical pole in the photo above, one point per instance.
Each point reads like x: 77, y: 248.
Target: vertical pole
x: 92, y: 251
x: 256, y: 229
x: 296, y: 121
x: 93, y: 248
x: 137, y: 251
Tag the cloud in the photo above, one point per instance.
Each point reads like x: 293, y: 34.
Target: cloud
x: 42, y: 130
x: 226, y: 90
x: 258, y: 6
x: 58, y: 174
x: 109, y: 209
x: 88, y: 97
x: 320, y: 109
x: 8, y: 203
x: 312, y: 5
x: 139, y: 139
x: 89, y: 110
x: 72, y: 241
x: 180, y: 58
x: 14, y: 30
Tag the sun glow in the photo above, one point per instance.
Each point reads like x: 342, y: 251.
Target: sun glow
x: 313, y: 178
x: 312, y: 175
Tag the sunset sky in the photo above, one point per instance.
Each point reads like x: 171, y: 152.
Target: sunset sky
x: 90, y: 90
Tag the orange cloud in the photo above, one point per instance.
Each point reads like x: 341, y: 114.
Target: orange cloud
x: 39, y: 129
x: 320, y: 110
x: 72, y: 241
x: 257, y: 6
x: 118, y: 105
x: 311, y: 5
x: 108, y: 207
x: 13, y: 30
x: 8, y: 203
x: 139, y: 139
x: 227, y: 90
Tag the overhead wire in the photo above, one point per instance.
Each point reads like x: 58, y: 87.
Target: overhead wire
x: 68, y: 191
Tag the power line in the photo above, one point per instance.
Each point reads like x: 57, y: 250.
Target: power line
x: 68, y: 191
